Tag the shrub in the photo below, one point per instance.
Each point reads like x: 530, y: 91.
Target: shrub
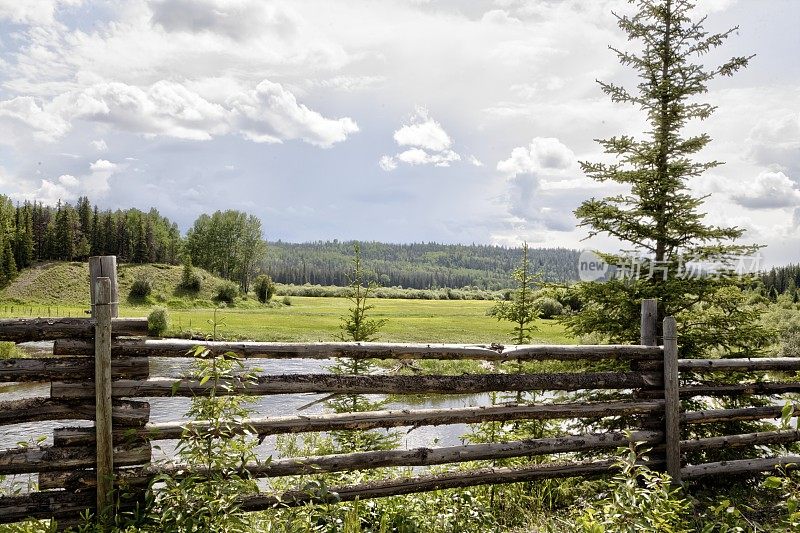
x: 227, y: 291
x: 287, y: 300
x: 142, y: 287
x: 548, y: 307
x: 157, y: 321
x: 265, y: 289
x: 639, y: 500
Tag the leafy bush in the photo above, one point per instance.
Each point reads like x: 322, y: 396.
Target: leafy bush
x: 287, y: 300
x: 142, y: 287
x: 265, y: 289
x: 157, y: 322
x: 638, y: 500
x: 548, y: 307
x: 227, y: 292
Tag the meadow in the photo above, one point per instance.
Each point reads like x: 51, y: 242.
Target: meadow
x: 310, y: 319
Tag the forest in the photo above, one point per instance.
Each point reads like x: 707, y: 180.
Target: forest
x: 414, y: 265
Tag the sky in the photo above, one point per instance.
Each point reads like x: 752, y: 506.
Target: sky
x: 457, y: 121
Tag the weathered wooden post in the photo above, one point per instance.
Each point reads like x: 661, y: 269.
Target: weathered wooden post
x: 649, y: 333
x: 103, y: 309
x: 104, y: 266
x: 672, y: 401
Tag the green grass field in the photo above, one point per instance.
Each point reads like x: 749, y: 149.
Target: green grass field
x: 318, y: 319
x: 61, y: 289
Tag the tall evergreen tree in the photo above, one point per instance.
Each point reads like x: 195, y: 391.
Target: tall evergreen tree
x: 659, y: 219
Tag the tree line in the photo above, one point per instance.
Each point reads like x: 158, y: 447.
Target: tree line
x: 32, y: 232
x: 782, y: 280
x: 414, y: 265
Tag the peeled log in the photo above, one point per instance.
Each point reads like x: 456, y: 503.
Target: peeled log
x: 277, y: 425
x: 373, y: 384
x: 740, y: 466
x: 44, y: 329
x: 365, y: 350
x: 70, y: 368
x: 52, y: 458
x: 124, y: 413
x: 376, y: 459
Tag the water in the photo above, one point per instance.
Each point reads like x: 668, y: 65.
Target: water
x: 172, y: 409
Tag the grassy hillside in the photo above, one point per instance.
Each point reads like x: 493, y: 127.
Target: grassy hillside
x: 67, y: 285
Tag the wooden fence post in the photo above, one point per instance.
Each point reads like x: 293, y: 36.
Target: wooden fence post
x: 672, y: 402
x: 102, y: 379
x: 649, y: 335
x: 104, y: 266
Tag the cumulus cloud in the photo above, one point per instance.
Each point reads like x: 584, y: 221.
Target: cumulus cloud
x: 272, y: 114
x: 430, y: 144
x: 24, y: 118
x: 770, y: 190
x: 776, y: 141
x: 423, y: 132
x: 531, y: 199
x: 544, y: 153
x: 269, y: 113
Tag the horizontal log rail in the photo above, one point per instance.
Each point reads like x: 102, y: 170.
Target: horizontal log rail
x: 742, y: 389
x: 52, y: 458
x: 44, y: 329
x: 741, y: 466
x: 709, y: 416
x: 373, y: 459
x: 786, y: 364
x: 124, y: 413
x: 326, y: 350
x: 372, y: 384
x: 276, y: 425
x: 785, y: 436
x: 450, y: 480
x: 67, y: 504
x: 71, y: 368
x: 50, y: 504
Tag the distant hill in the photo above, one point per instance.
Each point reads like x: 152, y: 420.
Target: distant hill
x: 415, y: 265
x: 67, y: 284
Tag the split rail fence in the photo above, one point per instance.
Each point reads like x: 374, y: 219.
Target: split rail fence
x: 99, y: 372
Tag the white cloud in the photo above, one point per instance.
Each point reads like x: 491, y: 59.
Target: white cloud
x: 770, y: 190
x: 22, y: 118
x: 272, y: 114
x: 67, y: 180
x: 475, y: 161
x: 430, y: 144
x: 541, y: 188
x: 423, y: 132
x: 165, y: 108
x: 417, y: 156
x: 99, y: 145
x: 776, y: 140
x: 387, y: 163
x: 33, y: 11
x: 269, y: 113
x: 543, y: 153
x: 102, y: 165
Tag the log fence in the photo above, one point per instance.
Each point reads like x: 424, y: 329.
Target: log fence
x: 100, y: 372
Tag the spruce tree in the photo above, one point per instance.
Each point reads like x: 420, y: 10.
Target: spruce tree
x: 521, y: 309
x: 659, y: 220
